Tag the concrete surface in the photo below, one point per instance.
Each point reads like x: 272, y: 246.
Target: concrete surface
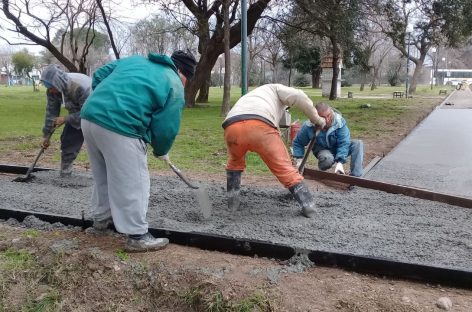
x: 361, y: 222
x: 437, y: 154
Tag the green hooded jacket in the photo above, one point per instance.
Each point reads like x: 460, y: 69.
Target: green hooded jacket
x: 138, y: 97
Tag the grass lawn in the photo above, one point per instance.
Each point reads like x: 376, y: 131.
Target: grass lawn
x: 199, y: 146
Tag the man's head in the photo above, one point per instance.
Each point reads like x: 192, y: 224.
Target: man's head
x: 325, y: 111
x: 53, y: 77
x: 185, y: 63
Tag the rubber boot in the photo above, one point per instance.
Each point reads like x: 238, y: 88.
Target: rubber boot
x: 304, y: 197
x: 66, y: 169
x: 233, y: 184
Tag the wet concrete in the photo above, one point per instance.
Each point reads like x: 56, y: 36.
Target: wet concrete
x: 361, y: 222
x: 437, y: 154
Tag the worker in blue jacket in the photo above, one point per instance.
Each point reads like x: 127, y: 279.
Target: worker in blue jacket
x: 135, y: 101
x: 333, y: 143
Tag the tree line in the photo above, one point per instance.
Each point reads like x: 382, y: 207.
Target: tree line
x: 293, y: 35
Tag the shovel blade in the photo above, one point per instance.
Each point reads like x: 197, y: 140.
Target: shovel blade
x: 23, y: 179
x: 204, y: 202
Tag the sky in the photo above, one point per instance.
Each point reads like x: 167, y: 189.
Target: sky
x: 125, y: 10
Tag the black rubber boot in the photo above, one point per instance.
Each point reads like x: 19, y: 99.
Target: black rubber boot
x: 304, y: 197
x: 66, y: 169
x: 233, y: 184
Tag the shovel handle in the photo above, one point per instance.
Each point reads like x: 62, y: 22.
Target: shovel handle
x: 307, y: 152
x: 30, y: 169
x: 180, y: 175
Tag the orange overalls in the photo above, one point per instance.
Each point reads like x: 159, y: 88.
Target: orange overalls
x: 259, y: 137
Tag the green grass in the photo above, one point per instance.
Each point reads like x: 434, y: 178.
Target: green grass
x: 44, y: 304
x: 199, y: 147
x: 31, y: 233
x: 122, y: 255
x: 204, y: 298
x: 16, y: 260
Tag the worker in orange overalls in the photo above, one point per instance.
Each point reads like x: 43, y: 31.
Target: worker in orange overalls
x: 252, y: 125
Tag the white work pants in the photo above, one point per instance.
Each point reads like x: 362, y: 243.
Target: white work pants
x: 121, y: 178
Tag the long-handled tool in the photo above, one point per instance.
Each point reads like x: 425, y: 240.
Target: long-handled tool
x: 28, y: 175
x: 180, y: 175
x: 200, y: 192
x: 307, y: 152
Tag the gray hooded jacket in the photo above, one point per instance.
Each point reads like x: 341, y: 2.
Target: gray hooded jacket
x: 74, y: 89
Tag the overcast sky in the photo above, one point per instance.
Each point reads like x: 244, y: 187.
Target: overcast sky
x: 126, y: 11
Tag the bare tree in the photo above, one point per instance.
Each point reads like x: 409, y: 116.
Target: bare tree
x: 273, y: 50
x: 75, y: 20
x: 158, y: 34
x: 255, y: 48
x: 227, y: 81
x: 205, y: 19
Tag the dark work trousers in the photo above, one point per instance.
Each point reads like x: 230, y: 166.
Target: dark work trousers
x: 71, y: 142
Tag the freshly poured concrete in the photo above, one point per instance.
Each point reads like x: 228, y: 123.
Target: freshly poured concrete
x: 437, y: 155
x: 362, y: 222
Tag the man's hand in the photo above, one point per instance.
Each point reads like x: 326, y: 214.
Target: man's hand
x: 59, y: 121
x: 45, y: 143
x: 339, y: 168
x: 321, y: 122
x: 164, y: 158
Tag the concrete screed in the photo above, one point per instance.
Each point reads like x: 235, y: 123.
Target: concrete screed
x: 437, y: 154
x: 359, y: 221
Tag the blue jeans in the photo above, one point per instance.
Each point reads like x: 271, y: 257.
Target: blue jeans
x: 356, y: 151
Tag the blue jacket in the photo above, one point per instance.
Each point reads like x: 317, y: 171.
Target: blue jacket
x: 140, y: 98
x: 337, y: 139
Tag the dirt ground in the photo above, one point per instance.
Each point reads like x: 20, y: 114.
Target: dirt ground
x: 71, y: 270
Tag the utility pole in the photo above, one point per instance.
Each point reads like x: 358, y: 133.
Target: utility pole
x: 408, y: 31
x: 244, y: 47
x: 433, y: 51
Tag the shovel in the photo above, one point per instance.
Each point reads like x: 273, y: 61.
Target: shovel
x: 308, y: 151
x: 28, y: 175
x: 201, y: 193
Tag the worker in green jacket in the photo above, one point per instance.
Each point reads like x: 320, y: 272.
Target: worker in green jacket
x: 135, y: 101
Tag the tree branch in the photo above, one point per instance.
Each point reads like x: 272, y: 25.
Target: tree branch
x: 110, y: 33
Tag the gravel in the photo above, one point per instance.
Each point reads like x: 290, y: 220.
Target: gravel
x: 360, y: 221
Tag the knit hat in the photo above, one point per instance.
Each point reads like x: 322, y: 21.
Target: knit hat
x: 185, y: 62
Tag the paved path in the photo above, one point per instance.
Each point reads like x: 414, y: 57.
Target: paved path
x: 437, y: 154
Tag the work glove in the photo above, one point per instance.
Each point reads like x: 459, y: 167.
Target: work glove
x: 59, y: 121
x: 298, y: 162
x: 339, y: 168
x: 164, y: 158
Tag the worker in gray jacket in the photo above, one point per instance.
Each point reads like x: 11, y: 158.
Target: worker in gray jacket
x: 70, y: 90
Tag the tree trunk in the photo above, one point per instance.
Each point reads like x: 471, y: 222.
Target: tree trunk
x: 204, y: 90
x: 316, y: 79
x: 416, y: 73
x: 205, y: 64
x: 363, y: 79
x: 334, y: 81
x: 227, y: 83
x: 211, y: 48
x: 290, y: 76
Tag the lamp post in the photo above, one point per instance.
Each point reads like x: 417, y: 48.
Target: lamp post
x: 408, y: 31
x: 433, y: 51
x: 244, y: 48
